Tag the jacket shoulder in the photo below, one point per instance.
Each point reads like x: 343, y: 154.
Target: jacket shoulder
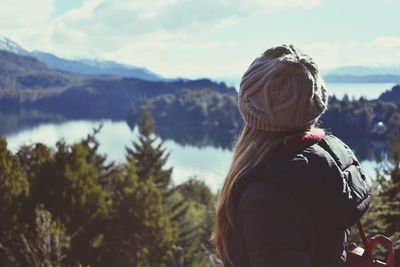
x: 325, y: 177
x: 272, y: 225
x: 275, y: 201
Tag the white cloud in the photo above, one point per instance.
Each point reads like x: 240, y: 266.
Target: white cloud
x: 138, y: 32
x: 96, y: 22
x: 16, y: 14
x: 175, y: 37
x: 385, y: 42
x: 279, y: 5
x: 25, y: 21
x: 330, y: 55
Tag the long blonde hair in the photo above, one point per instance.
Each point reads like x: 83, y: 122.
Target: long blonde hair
x: 249, y: 150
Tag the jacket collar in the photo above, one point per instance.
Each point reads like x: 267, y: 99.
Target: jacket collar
x: 300, y: 142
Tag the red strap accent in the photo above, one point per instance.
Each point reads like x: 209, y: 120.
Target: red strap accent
x: 364, y: 240
x: 300, y: 142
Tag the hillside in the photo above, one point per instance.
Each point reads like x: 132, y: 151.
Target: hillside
x: 27, y: 83
x: 19, y: 72
x: 13, y: 64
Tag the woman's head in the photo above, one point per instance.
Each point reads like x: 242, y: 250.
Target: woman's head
x: 281, y: 95
x: 282, y: 91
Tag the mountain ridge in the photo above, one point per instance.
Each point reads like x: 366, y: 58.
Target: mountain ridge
x: 344, y: 74
x: 81, y: 66
x: 95, y: 67
x: 11, y: 46
x: 363, y: 74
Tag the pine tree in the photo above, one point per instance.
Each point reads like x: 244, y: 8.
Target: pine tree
x: 106, y: 170
x: 150, y: 158
x: 14, y: 189
x: 140, y: 233
x: 196, y: 224
x: 148, y: 154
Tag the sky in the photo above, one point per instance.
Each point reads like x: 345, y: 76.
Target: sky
x: 206, y: 38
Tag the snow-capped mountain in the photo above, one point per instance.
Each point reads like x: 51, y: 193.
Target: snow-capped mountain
x: 82, y: 66
x: 95, y: 67
x: 11, y: 46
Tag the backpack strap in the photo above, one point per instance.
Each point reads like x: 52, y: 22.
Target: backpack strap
x: 364, y: 239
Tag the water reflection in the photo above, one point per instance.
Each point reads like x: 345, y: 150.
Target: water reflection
x: 367, y: 149
x: 187, y: 133
x: 205, y: 154
x: 12, y: 123
x: 206, y: 163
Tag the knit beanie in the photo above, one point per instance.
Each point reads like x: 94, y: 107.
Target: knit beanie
x: 282, y: 90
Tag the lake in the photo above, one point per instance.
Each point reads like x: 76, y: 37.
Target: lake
x: 190, y: 158
x: 366, y: 90
x: 209, y: 164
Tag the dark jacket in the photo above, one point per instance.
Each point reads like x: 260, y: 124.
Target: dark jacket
x: 294, y: 210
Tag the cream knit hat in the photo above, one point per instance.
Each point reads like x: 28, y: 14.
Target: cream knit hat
x: 282, y: 91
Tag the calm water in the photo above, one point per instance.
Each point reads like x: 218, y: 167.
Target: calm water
x: 209, y: 164
x: 367, y: 90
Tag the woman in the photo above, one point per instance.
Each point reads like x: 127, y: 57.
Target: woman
x: 292, y: 191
